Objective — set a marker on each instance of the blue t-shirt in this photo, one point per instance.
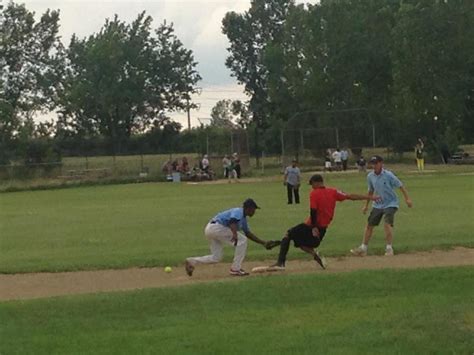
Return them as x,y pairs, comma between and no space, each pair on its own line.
292,175
384,185
237,214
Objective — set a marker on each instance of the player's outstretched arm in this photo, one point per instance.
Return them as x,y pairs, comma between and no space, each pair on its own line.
256,239
369,197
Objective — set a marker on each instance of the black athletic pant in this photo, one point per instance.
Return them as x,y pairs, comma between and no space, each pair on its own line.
290,189
301,235
344,165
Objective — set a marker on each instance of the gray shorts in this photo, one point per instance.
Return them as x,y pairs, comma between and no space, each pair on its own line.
376,216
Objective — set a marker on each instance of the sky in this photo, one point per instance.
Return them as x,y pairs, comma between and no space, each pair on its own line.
197,24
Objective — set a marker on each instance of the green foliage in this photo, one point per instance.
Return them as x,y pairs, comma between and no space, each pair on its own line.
251,35
31,62
422,311
433,61
122,78
404,62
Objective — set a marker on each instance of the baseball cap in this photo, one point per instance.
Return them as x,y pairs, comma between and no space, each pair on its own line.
315,178
375,159
250,203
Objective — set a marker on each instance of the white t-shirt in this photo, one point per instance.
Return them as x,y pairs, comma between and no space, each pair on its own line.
337,156
205,163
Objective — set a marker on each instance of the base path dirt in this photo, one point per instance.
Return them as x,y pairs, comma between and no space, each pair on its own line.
41,285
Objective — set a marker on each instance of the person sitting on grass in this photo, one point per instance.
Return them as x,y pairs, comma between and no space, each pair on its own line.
309,235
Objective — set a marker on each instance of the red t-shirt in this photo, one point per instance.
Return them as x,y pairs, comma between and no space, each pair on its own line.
323,200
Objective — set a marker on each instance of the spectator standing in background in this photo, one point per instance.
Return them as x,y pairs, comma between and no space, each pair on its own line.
344,158
336,156
361,164
420,155
226,164
292,181
327,161
236,161
205,164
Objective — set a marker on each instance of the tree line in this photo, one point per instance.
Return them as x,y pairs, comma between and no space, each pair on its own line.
407,64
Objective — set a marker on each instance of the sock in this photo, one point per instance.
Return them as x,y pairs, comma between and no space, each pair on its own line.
388,247
364,247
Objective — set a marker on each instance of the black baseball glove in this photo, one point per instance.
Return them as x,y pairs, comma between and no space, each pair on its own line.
272,244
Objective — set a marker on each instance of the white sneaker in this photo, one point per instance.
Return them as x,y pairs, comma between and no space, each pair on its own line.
321,260
240,272
389,252
358,251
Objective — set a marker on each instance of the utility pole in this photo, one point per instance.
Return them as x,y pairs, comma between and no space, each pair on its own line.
189,114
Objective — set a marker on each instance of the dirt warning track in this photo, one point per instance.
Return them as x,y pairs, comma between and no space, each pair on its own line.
42,285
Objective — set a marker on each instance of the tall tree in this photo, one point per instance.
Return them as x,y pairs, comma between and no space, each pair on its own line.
30,67
230,114
122,78
433,65
249,35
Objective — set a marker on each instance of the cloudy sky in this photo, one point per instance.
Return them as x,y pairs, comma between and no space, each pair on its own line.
197,24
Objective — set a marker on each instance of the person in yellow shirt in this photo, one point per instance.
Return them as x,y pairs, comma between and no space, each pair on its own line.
420,155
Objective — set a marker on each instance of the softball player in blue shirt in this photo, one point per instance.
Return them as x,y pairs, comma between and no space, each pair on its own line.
383,183
225,228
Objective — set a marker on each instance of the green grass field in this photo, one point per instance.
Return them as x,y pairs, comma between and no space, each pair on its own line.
426,311
157,224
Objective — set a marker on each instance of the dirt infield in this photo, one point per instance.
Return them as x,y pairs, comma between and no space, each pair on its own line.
41,285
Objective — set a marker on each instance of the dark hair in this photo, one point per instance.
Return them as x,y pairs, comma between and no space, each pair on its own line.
316,178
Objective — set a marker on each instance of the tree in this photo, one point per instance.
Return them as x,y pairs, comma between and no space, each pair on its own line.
123,78
249,35
221,114
433,66
230,114
31,57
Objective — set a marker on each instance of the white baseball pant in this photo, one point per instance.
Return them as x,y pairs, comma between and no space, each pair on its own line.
219,235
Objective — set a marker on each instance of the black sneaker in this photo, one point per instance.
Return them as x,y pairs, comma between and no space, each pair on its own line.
189,268
320,260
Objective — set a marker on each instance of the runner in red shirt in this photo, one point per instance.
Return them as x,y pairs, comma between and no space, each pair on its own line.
309,235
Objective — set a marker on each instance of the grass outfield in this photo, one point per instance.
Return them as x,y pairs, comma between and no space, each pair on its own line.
422,311
159,224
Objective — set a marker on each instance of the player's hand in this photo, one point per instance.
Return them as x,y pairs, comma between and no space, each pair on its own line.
270,244
315,232
234,240
365,209
409,203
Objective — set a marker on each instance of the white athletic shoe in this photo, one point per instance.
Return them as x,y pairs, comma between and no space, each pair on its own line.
240,272
389,252
358,251
321,260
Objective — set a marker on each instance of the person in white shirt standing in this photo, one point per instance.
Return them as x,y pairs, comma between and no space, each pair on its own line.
344,158
337,157
205,163
292,182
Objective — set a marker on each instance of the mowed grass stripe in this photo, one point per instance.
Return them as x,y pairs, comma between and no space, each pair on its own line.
386,311
160,224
